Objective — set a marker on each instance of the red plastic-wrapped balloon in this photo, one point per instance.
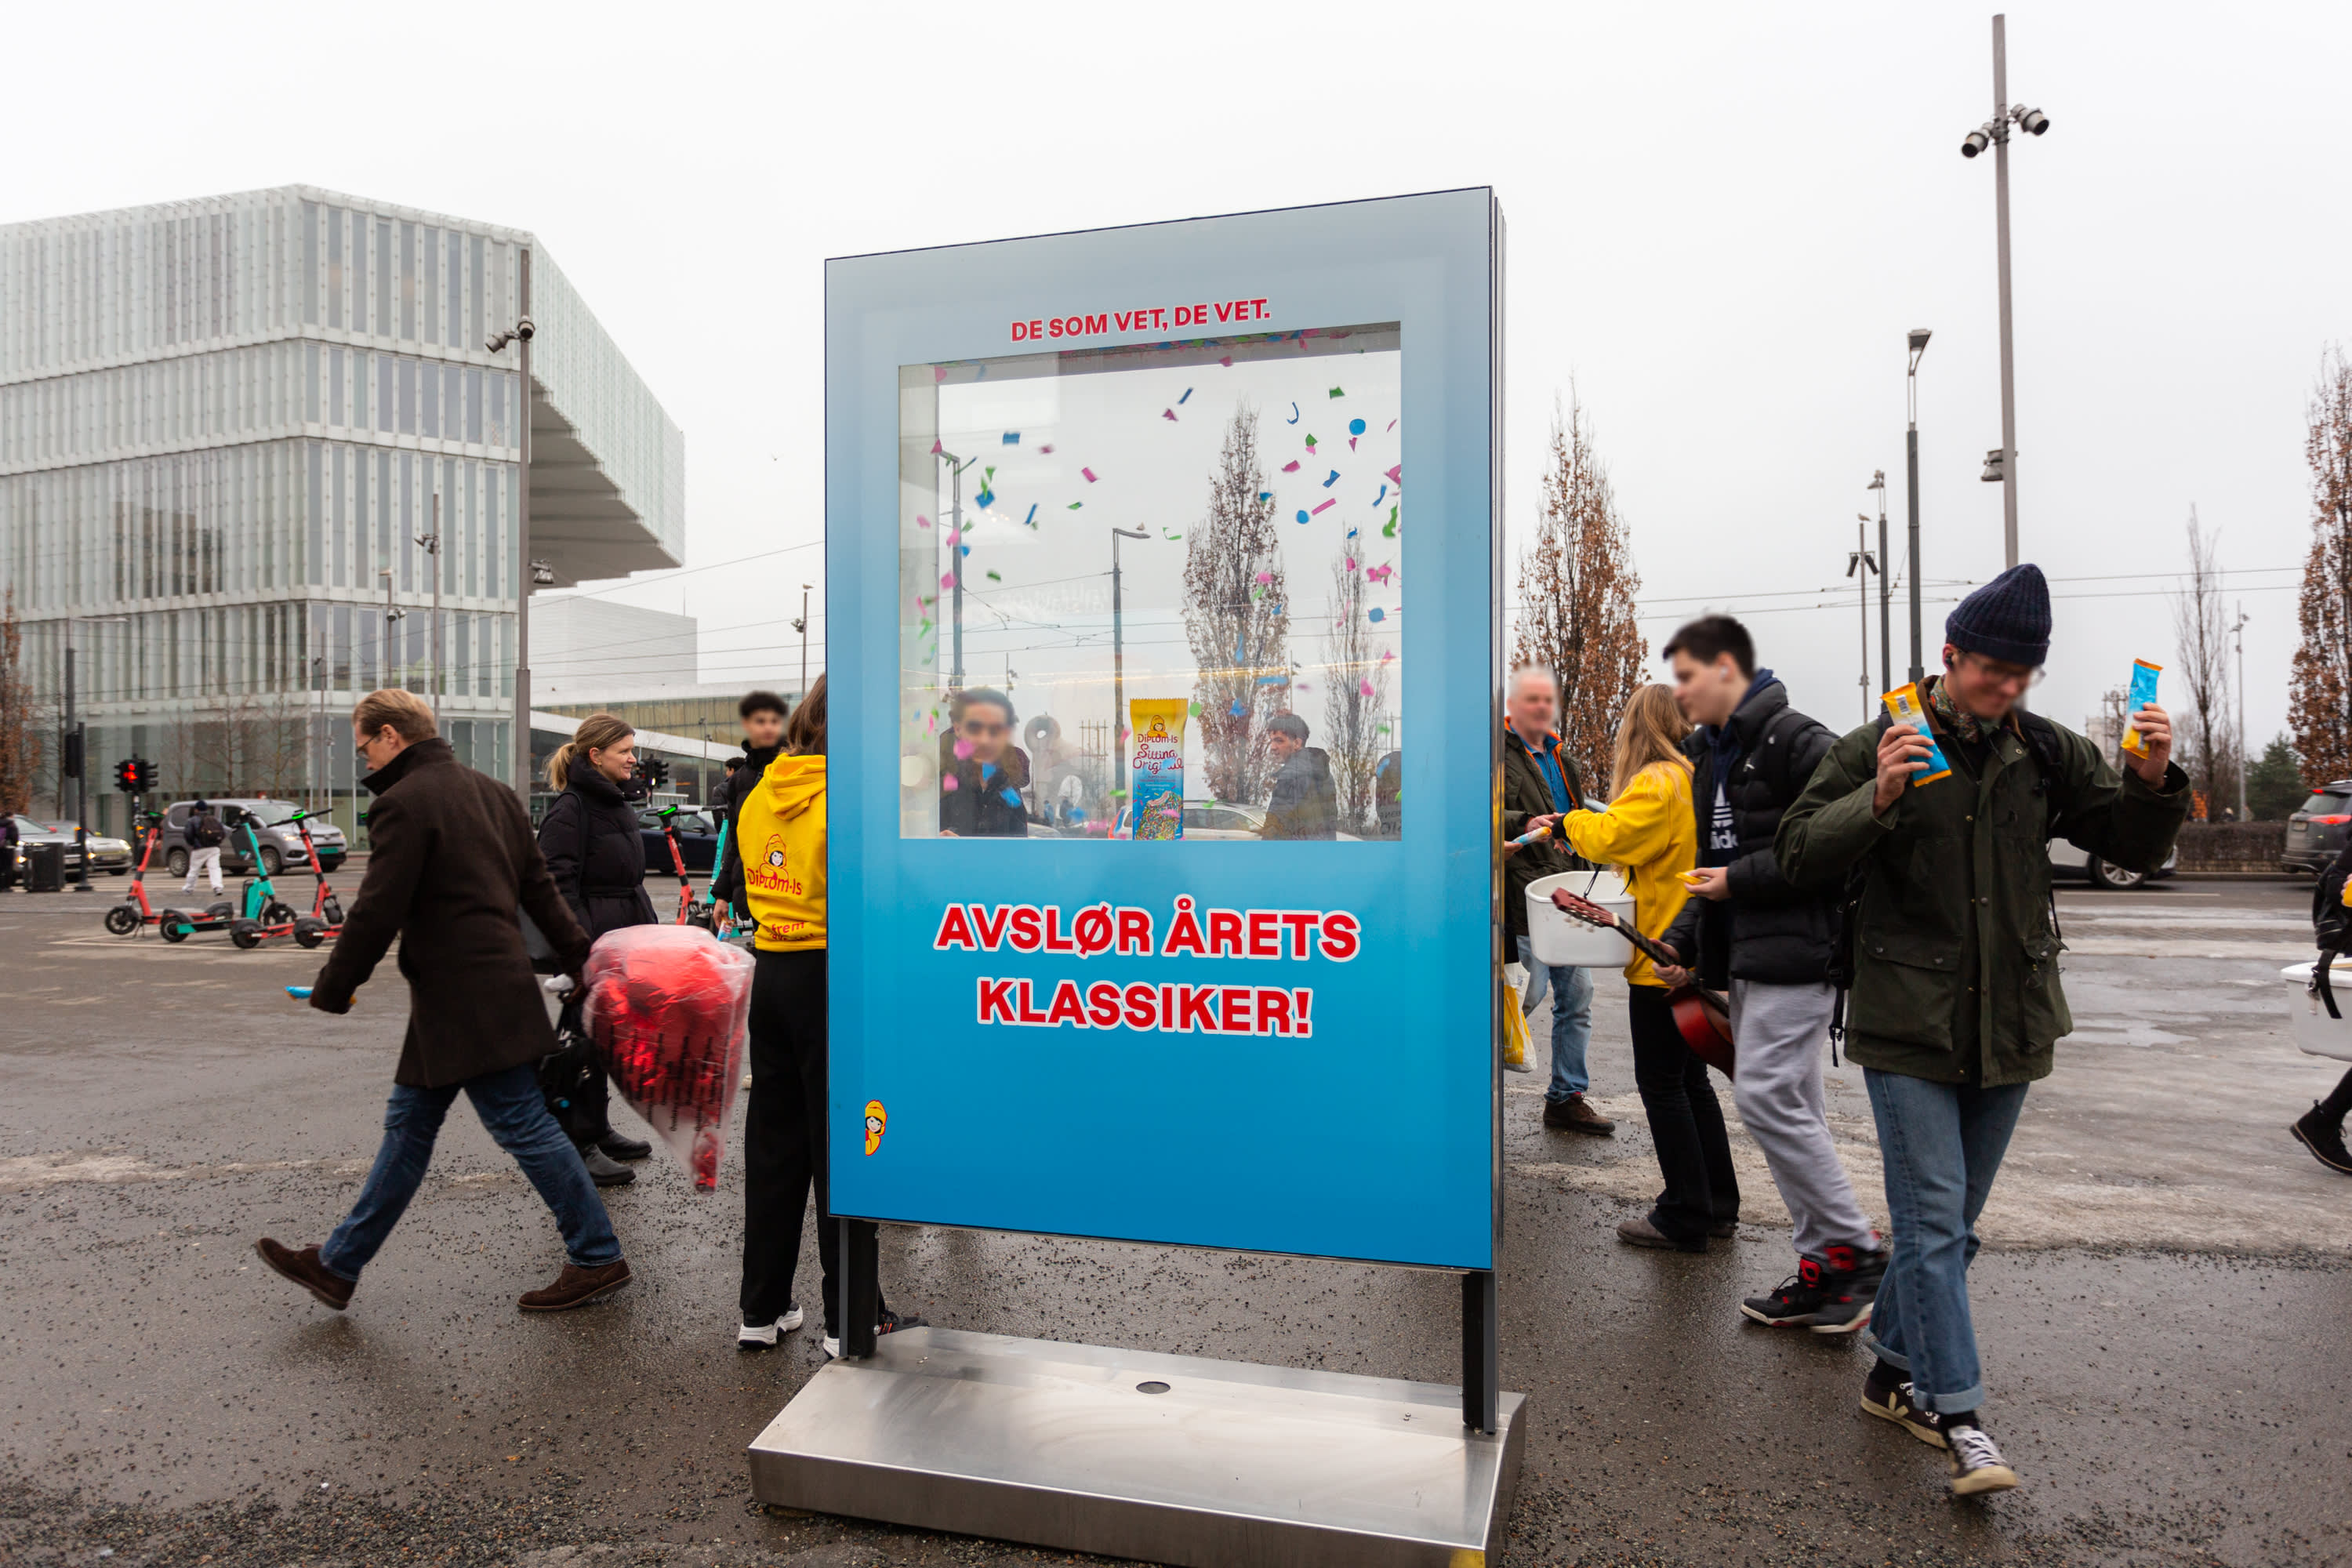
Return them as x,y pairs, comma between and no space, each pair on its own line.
666,1006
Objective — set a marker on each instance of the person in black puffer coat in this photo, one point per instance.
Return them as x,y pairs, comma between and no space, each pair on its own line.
590,837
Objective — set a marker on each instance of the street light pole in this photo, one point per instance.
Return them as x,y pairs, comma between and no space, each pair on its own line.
525,569
800,625
76,745
1918,343
2238,631
1118,672
2008,349
1859,566
1885,590
1994,133
432,543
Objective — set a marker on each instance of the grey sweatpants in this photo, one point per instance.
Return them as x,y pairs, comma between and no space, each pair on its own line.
1779,1031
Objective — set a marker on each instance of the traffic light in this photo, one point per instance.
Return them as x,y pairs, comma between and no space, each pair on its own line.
134,775
656,771
72,763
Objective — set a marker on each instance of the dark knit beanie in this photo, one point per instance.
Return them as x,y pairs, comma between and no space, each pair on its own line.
2007,619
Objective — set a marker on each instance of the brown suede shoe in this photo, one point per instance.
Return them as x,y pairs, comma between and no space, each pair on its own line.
1573,1115
576,1287
304,1269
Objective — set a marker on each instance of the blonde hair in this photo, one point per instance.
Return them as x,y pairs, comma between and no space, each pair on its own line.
1651,732
597,732
410,716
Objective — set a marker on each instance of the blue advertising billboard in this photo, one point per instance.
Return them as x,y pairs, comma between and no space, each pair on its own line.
1164,626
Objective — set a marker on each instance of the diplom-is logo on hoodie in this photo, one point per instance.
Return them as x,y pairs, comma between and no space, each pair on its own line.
773,874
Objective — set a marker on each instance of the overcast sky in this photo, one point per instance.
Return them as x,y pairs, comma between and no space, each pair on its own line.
1723,218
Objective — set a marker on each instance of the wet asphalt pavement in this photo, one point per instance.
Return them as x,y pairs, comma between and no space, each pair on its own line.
2164,1305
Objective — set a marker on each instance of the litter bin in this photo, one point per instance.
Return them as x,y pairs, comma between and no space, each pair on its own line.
45,867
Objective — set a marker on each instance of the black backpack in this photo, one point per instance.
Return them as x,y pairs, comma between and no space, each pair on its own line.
2042,743
205,832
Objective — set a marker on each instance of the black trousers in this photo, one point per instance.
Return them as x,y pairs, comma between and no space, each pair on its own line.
784,1138
1685,1124
2338,1105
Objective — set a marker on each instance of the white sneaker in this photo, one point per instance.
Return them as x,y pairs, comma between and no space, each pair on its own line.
832,1348
763,1336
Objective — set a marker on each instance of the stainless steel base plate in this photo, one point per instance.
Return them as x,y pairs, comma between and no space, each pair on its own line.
1167,1458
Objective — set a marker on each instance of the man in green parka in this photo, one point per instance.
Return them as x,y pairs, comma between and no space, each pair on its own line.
1955,1004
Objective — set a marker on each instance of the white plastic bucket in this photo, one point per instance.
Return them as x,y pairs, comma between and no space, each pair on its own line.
2314,1031
1556,939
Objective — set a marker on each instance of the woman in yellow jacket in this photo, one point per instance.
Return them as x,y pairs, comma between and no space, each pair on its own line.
782,830
1650,833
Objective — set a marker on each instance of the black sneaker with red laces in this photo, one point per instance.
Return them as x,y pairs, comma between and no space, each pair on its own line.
1831,1295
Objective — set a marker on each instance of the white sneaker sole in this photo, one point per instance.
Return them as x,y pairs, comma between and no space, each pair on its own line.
763,1336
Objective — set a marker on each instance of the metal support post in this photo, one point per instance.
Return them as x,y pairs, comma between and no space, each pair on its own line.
1481,1369
861,1285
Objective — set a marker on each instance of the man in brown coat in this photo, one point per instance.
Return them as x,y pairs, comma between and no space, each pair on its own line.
452,857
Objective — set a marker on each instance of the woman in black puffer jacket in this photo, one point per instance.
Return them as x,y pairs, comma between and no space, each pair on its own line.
591,840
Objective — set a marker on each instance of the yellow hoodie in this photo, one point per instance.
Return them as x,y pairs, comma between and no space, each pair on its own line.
781,841
1649,833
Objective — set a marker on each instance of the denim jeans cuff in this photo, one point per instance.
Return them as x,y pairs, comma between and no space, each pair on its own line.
346,1279
1967,1399
579,1262
1892,1358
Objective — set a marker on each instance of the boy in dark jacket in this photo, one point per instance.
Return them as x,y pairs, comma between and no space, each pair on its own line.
1305,803
1746,929
762,713
453,856
1541,779
1956,1004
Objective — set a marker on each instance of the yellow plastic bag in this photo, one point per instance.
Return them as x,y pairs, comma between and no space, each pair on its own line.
1514,1025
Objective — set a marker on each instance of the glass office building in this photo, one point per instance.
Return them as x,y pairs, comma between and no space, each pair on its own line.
224,426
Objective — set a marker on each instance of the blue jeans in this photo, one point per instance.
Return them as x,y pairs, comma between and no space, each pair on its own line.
1571,1021
1943,1144
514,1112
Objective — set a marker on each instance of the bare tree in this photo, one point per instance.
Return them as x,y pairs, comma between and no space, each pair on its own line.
2201,638
1576,585
2319,701
23,732
1237,618
1355,693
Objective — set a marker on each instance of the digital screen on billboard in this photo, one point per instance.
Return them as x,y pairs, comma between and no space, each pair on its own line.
1151,592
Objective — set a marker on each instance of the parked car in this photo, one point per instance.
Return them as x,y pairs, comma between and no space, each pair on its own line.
29,833
2065,860
274,825
112,855
698,841
2316,832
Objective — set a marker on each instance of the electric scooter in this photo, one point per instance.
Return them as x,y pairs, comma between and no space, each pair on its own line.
668,815
265,916
325,921
257,908
125,918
